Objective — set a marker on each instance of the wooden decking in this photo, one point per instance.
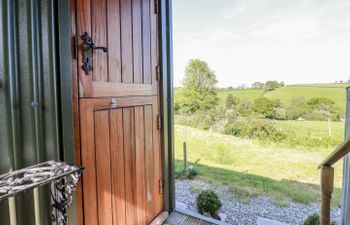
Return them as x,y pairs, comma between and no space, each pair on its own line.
176,218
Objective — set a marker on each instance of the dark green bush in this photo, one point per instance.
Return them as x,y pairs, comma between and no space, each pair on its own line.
264,130
208,202
202,119
313,219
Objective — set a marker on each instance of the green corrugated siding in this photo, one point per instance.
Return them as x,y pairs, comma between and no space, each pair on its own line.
28,73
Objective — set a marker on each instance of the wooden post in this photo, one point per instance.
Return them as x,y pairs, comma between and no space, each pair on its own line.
327,181
329,127
185,150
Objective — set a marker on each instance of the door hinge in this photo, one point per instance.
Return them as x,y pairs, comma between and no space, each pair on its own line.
161,191
158,73
156,6
159,122
75,47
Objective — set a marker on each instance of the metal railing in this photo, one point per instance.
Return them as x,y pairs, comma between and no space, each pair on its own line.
63,178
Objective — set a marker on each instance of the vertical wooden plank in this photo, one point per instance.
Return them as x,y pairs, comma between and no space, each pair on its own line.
114,43
157,158
117,157
88,160
75,97
103,167
126,40
130,164
137,40
154,45
99,36
140,165
146,30
83,25
149,163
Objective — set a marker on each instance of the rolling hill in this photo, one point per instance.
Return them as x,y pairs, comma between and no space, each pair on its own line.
335,92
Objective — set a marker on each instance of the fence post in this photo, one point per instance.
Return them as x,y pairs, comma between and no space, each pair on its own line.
185,150
345,209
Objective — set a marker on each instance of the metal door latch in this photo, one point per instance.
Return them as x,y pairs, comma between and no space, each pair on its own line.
88,48
114,103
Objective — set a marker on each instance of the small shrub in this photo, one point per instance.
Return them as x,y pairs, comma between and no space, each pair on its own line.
209,202
191,172
313,219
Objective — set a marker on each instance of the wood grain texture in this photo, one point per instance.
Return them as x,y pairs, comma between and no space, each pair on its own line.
140,167
129,28
114,41
157,155
99,36
103,89
75,107
154,46
146,39
130,164
126,39
118,166
103,167
176,218
120,147
88,161
149,160
83,25
137,40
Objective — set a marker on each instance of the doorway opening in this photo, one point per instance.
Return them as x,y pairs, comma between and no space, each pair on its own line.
259,102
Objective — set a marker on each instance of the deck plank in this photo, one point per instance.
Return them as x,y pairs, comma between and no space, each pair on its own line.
176,218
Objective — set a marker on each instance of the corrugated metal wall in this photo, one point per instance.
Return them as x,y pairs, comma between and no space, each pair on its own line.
29,100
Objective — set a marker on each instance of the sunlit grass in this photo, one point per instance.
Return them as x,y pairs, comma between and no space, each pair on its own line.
249,169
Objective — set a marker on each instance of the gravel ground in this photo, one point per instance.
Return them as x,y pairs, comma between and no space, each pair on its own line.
247,214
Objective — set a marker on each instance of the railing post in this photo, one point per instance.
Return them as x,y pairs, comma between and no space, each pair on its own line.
327,181
345,209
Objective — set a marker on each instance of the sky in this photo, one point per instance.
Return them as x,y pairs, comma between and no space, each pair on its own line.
243,41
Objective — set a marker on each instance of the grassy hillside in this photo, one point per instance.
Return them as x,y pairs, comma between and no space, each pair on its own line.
250,95
335,92
287,94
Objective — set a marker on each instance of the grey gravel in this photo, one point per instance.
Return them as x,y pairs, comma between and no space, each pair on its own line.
239,213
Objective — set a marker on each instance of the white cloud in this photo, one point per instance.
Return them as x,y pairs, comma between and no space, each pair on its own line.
299,43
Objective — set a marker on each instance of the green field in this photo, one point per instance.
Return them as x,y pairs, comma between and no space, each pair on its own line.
314,128
287,94
252,167
249,169
250,95
335,92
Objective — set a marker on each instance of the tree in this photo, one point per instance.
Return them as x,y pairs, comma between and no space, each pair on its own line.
231,101
321,103
199,86
265,107
257,85
272,85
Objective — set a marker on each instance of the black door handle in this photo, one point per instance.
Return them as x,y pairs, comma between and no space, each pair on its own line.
88,47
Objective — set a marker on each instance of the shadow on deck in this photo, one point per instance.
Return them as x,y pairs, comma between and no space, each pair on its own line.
176,218
185,217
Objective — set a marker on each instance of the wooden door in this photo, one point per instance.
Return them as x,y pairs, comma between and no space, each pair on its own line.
119,112
128,28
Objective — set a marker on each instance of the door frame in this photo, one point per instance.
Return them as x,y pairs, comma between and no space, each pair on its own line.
70,110
167,100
